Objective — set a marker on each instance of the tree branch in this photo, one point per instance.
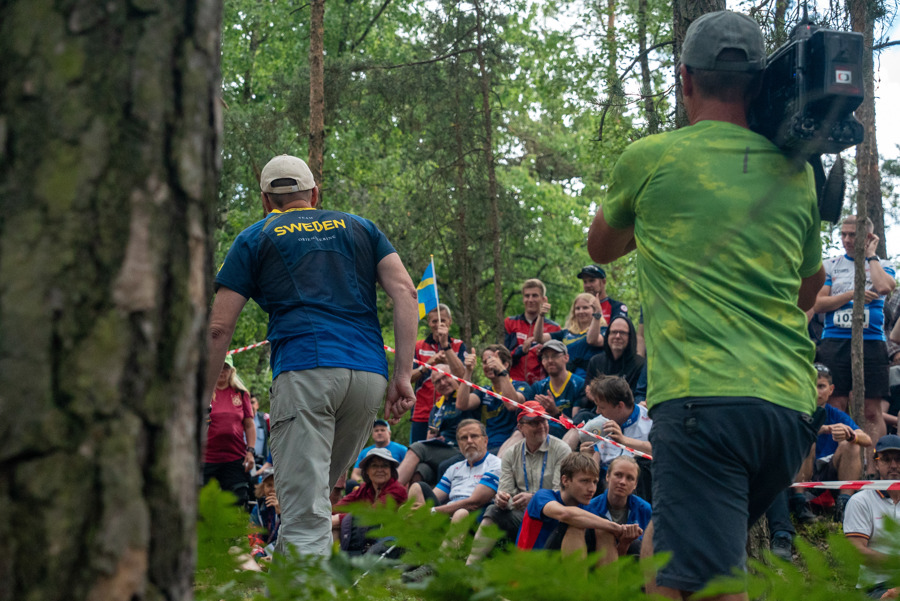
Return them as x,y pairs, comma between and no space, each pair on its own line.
369,26
414,63
886,45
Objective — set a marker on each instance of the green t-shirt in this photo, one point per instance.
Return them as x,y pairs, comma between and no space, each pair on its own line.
726,227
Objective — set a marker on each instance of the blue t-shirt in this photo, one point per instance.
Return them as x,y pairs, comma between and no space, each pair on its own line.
314,273
572,394
639,511
397,451
825,444
497,419
536,528
445,416
840,274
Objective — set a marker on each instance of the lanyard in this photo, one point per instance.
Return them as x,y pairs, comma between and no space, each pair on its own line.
525,468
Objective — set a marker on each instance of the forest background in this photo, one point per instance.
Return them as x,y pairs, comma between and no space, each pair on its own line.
483,133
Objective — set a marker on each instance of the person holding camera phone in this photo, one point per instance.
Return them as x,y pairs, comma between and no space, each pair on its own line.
726,228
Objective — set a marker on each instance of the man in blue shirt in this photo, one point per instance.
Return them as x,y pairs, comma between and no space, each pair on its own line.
381,436
314,273
561,391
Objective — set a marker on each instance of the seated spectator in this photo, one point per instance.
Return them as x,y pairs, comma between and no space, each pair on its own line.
526,467
498,416
866,514
520,332
619,504
266,514
593,279
559,519
424,458
834,455
467,486
620,420
561,391
381,436
619,356
379,474
583,320
436,348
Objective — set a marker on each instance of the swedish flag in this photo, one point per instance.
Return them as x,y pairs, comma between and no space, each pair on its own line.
427,292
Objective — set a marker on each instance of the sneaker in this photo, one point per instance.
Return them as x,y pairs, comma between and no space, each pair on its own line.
782,548
802,511
839,505
418,574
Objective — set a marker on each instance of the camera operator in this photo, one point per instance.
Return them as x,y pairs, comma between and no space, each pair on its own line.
729,257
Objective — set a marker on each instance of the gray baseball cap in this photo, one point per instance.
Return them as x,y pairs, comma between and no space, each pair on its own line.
714,32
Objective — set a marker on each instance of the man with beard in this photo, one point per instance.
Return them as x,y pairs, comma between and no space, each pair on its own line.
561,391
468,485
620,356
867,510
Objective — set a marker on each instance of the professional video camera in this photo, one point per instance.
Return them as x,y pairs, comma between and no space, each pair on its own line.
810,88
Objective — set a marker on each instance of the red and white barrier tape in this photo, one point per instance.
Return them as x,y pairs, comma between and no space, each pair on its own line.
246,348
562,419
851,485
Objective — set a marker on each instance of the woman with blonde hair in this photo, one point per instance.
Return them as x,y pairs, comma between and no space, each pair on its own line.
579,321
231,434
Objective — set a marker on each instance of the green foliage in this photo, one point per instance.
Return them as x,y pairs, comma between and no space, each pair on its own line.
508,573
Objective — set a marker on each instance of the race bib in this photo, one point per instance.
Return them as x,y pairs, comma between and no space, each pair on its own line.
842,318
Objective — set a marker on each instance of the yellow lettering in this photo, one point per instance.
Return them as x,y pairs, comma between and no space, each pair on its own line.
317,226
341,221
328,225
279,231
307,227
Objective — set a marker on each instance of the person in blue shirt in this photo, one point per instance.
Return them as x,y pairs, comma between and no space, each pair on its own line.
619,504
314,272
561,391
381,436
835,456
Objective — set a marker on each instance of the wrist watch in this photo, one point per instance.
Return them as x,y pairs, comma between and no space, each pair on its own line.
598,315
505,372
875,258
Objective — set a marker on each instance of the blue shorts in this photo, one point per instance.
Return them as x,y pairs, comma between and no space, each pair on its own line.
717,465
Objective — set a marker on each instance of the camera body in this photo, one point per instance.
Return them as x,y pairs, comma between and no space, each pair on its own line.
810,88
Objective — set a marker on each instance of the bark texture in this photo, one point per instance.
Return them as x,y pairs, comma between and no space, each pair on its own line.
317,89
684,12
108,166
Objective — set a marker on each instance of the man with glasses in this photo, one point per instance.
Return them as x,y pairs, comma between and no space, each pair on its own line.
466,486
864,520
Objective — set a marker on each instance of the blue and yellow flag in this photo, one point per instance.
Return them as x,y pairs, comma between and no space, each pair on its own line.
427,292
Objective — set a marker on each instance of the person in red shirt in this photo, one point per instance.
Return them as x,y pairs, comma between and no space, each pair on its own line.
521,330
437,347
231,435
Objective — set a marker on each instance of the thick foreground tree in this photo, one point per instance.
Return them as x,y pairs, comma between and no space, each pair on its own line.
108,173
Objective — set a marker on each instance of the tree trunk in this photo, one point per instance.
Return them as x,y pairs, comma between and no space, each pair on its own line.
317,89
108,172
485,78
684,12
646,87
868,173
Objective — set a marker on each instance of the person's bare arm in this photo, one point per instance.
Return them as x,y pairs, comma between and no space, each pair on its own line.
862,545
890,420
467,400
250,434
575,516
606,244
594,335
223,317
480,497
810,288
825,302
882,282
395,280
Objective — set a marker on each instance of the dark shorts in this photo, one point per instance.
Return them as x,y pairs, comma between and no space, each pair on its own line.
835,353
431,455
508,520
718,465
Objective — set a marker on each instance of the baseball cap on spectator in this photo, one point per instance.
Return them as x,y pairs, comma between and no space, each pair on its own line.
286,167
266,473
554,345
526,416
592,271
229,360
891,442
381,422
714,32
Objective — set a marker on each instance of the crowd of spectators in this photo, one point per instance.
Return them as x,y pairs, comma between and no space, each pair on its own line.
546,485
